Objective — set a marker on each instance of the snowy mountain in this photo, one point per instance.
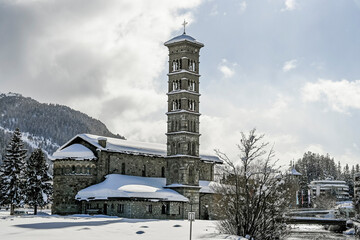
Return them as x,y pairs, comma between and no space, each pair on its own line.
43,125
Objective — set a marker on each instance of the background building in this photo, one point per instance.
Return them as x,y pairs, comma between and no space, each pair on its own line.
333,187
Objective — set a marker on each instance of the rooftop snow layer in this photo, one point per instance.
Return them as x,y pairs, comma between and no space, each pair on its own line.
294,172
183,37
124,186
133,147
74,151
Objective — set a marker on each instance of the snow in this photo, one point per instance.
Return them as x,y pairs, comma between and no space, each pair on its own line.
124,186
131,147
54,227
75,151
207,186
184,38
294,172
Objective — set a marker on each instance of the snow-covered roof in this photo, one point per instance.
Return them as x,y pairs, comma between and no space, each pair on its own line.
124,186
183,37
294,172
327,182
132,147
75,151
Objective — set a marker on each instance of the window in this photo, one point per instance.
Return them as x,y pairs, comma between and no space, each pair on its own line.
120,208
73,169
163,209
144,171
178,149
123,168
162,171
149,208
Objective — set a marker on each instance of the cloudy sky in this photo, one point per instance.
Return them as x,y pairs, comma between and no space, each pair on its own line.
290,68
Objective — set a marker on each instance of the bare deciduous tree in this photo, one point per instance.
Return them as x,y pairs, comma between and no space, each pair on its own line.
251,197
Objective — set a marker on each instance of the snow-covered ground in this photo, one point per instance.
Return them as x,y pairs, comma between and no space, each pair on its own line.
52,227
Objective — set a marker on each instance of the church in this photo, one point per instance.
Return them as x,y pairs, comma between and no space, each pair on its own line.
100,175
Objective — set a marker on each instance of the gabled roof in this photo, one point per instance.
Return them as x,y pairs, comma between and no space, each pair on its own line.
126,146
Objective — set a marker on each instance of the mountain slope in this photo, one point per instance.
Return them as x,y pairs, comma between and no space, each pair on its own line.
44,125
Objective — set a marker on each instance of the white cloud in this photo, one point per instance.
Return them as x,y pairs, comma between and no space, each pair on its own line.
243,6
214,10
289,65
103,54
290,5
226,68
339,95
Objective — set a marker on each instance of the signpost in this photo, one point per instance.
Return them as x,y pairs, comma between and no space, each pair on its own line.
191,218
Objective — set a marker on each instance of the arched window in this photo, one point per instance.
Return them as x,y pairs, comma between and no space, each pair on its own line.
178,148
163,209
163,171
144,171
73,169
173,148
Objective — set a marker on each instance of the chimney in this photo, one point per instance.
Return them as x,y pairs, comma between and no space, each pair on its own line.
102,141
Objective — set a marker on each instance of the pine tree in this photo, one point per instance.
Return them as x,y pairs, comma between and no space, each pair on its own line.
12,173
39,188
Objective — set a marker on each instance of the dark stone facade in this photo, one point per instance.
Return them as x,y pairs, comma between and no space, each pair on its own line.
182,166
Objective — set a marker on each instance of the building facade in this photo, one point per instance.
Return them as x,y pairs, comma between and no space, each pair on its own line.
335,187
94,174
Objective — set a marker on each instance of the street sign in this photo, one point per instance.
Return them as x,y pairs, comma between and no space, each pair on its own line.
191,216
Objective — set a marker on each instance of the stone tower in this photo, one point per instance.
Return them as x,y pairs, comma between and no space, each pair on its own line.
183,119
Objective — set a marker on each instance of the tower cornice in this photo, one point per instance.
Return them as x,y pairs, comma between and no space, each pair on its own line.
183,132
183,71
183,91
183,111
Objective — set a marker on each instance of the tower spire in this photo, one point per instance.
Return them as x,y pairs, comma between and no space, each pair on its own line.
184,24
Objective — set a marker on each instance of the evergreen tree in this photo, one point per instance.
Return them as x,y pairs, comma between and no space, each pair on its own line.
39,188
12,173
357,168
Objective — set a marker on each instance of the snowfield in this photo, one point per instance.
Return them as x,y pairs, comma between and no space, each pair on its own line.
49,227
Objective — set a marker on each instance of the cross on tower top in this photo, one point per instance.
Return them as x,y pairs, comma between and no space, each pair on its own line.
184,24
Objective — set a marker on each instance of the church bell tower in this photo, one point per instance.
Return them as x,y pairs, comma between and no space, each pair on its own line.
183,117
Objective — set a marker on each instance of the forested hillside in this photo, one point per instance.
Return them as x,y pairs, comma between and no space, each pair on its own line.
44,125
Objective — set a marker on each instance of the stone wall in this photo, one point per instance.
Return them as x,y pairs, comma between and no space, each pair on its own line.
136,165
136,209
